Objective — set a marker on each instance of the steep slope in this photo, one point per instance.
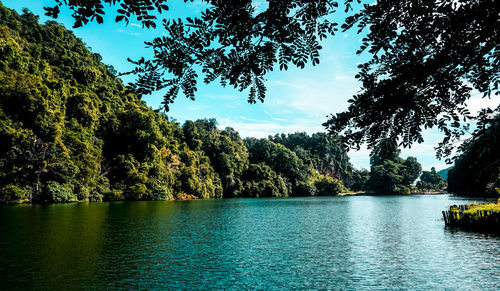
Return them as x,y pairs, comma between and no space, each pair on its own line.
476,171
69,130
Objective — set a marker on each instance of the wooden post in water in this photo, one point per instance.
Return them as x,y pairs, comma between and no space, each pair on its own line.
445,219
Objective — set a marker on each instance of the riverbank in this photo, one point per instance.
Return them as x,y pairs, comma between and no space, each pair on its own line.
483,217
429,193
184,196
373,194
349,193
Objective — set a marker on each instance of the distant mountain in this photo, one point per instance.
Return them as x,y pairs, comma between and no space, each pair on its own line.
444,173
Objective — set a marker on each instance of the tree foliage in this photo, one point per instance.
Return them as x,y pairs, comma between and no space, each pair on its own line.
476,171
360,180
426,57
90,10
323,152
70,131
225,149
301,176
261,181
231,41
430,181
390,174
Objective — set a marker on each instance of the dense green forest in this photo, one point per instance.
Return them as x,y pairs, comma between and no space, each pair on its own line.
69,131
476,172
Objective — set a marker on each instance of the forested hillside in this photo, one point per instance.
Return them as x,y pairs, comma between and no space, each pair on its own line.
69,131
476,172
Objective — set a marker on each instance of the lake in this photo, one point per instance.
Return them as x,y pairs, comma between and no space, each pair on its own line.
354,242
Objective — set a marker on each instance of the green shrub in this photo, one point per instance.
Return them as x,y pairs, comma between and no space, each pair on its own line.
59,193
136,192
304,188
13,194
326,185
113,195
158,192
401,190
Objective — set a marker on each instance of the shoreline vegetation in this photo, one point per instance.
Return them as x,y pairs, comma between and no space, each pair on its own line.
429,193
477,217
70,131
189,197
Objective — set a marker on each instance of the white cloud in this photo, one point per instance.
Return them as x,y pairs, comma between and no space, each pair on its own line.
249,119
128,32
345,77
135,24
261,129
226,97
311,97
477,102
361,158
197,6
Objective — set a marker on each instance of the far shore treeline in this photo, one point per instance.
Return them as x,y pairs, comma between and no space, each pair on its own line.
69,131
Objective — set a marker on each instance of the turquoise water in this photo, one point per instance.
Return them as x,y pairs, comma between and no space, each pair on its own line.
361,242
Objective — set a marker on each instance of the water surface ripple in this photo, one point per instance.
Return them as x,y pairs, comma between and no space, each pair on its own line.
358,242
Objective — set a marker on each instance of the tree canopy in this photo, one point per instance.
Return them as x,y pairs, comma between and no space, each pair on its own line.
70,131
430,181
427,56
390,174
231,42
477,170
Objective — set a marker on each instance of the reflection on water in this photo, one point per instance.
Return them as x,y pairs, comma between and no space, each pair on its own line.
361,242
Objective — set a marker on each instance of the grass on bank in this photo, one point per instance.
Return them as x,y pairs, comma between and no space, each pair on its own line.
490,207
474,216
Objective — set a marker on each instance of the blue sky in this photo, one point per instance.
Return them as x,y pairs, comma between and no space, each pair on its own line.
297,100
